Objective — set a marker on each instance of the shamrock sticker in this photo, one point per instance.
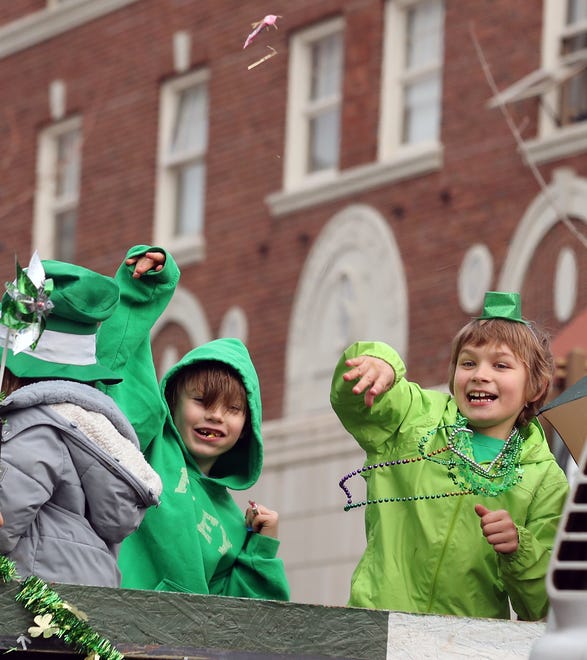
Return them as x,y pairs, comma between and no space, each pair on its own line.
43,626
82,616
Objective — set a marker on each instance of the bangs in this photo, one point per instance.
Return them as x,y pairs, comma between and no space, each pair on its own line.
218,383
518,336
215,382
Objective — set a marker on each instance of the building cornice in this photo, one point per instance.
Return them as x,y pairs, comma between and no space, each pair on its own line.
51,22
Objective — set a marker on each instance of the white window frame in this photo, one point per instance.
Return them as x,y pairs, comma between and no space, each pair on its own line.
552,142
53,4
47,203
394,77
186,249
297,125
392,165
540,81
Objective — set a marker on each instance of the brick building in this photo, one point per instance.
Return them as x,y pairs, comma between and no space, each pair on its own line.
353,183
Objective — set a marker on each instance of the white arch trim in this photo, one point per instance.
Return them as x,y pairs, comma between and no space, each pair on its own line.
566,194
357,246
185,310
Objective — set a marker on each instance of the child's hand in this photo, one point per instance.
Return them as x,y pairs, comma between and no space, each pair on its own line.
262,520
148,261
499,529
374,375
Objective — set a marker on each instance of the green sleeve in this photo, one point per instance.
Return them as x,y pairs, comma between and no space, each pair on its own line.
369,426
124,342
524,572
256,573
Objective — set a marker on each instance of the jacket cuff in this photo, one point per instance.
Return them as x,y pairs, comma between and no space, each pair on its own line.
168,273
263,546
379,349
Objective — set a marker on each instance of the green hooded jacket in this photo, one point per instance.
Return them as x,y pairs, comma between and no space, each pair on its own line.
430,555
196,540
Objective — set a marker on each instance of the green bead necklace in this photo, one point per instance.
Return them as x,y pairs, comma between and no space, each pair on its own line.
469,477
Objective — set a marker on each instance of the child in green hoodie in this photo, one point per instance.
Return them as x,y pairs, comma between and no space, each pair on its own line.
201,431
463,494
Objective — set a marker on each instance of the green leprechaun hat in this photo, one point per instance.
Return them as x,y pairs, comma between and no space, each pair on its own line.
80,300
502,305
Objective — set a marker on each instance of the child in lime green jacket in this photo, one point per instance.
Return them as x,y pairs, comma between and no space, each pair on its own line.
201,431
463,494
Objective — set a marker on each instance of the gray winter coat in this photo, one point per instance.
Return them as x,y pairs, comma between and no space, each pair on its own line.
73,483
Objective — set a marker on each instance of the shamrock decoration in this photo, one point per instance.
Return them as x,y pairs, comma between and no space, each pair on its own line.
26,305
82,616
43,626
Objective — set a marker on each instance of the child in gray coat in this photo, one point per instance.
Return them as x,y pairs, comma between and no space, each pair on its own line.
73,482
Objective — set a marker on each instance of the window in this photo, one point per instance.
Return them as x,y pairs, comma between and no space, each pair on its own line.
564,70
314,104
412,74
58,190
573,51
181,180
560,82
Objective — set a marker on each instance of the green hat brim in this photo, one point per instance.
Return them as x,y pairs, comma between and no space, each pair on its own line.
24,365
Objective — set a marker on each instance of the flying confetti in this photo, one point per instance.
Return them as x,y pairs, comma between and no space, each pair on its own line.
268,20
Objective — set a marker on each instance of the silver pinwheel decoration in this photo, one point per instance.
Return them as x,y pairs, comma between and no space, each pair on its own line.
24,309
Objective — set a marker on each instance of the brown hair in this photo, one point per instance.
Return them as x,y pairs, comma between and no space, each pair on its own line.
529,344
218,383
11,383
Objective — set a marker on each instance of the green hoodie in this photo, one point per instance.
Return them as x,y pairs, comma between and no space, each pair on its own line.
430,555
196,540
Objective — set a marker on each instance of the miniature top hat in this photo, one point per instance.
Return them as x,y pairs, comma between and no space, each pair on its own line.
502,305
81,299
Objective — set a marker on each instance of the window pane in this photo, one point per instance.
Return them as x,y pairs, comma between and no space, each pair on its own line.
326,58
65,230
190,199
324,141
68,164
422,111
574,99
424,44
190,132
576,11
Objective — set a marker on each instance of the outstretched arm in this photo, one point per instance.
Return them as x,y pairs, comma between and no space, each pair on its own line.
369,408
147,279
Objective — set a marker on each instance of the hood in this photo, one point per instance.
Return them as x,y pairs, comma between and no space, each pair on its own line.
535,447
240,467
49,392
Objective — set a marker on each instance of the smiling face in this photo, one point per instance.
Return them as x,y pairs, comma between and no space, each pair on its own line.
209,412
490,387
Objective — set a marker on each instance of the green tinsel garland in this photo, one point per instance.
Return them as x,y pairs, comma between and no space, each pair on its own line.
7,569
66,622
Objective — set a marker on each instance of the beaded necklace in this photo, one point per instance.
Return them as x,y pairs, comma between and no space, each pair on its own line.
469,477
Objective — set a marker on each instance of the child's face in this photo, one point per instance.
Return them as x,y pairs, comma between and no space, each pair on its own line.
207,432
490,388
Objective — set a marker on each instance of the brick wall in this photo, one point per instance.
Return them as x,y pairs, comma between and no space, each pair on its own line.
113,68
